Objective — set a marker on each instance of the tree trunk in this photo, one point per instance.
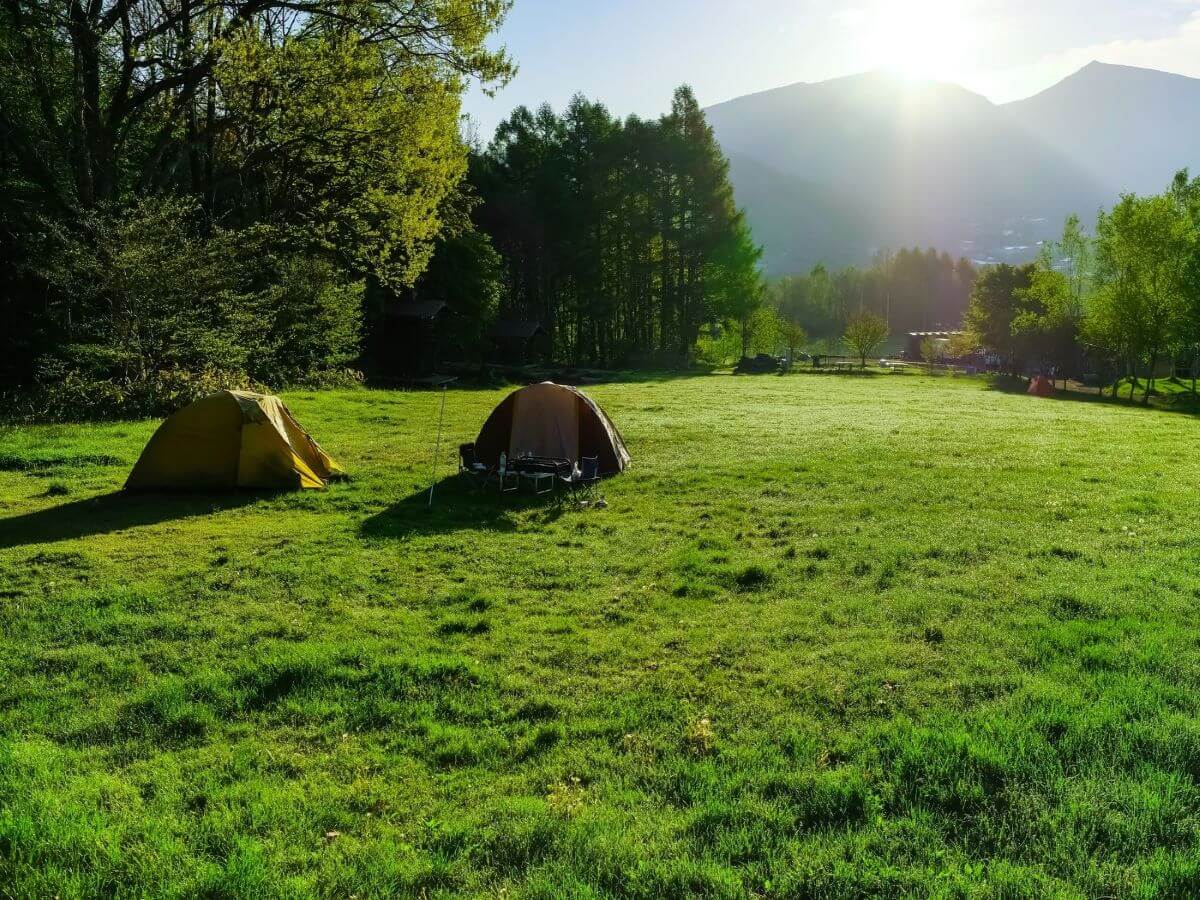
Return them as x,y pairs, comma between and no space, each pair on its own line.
85,89
1193,380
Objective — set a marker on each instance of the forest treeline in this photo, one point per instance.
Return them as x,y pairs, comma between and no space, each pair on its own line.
912,290
205,194
621,238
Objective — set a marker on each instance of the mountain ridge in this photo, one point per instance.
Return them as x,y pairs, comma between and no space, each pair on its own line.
898,162
1137,141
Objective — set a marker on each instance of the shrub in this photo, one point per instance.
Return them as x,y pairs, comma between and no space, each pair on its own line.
306,325
64,394
141,290
157,310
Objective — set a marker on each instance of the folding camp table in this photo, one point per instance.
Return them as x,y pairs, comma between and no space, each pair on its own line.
541,471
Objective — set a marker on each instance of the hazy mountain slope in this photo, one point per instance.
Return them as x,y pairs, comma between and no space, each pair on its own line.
911,163
1130,128
797,221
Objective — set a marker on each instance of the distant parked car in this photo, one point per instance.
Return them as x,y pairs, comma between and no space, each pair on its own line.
763,364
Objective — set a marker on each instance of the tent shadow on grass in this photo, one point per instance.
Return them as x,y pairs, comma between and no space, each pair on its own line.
457,506
115,512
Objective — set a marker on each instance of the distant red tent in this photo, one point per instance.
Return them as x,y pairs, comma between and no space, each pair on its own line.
1042,387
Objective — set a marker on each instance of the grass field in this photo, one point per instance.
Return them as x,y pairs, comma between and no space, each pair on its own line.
831,637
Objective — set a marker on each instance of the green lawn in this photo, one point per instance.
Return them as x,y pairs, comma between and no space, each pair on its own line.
833,636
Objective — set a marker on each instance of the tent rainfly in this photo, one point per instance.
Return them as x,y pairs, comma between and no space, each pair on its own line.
551,420
232,439
1041,386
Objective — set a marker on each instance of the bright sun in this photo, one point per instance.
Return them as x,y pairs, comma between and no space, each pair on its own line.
929,39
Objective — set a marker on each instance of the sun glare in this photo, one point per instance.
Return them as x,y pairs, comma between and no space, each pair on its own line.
924,39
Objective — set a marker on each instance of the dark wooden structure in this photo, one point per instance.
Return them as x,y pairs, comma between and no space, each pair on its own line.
520,342
412,344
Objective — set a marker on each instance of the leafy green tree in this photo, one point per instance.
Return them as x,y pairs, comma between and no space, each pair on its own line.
1141,252
794,338
1107,334
865,332
1074,256
796,299
716,260
930,352
144,292
1049,323
346,157
1186,193
1047,326
763,333
742,292
306,323
112,95
994,308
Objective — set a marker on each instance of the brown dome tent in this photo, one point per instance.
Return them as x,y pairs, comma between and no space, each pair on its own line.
551,420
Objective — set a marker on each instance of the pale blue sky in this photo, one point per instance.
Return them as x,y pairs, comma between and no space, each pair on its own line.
632,53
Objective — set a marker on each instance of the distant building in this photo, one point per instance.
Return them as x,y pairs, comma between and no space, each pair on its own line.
943,340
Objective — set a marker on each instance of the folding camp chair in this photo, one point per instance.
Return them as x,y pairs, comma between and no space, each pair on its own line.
476,472
584,477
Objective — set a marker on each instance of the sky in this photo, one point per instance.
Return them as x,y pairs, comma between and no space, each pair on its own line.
631,54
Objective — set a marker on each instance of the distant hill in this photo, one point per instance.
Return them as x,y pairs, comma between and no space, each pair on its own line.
833,171
1132,129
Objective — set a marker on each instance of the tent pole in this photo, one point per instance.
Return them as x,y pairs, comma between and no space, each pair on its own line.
438,449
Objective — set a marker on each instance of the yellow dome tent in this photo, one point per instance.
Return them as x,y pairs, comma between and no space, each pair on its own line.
233,439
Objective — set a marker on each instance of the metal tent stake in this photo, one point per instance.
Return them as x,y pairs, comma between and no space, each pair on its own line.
438,449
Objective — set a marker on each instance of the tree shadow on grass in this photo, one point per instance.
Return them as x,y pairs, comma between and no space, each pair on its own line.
460,506
1173,403
115,512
